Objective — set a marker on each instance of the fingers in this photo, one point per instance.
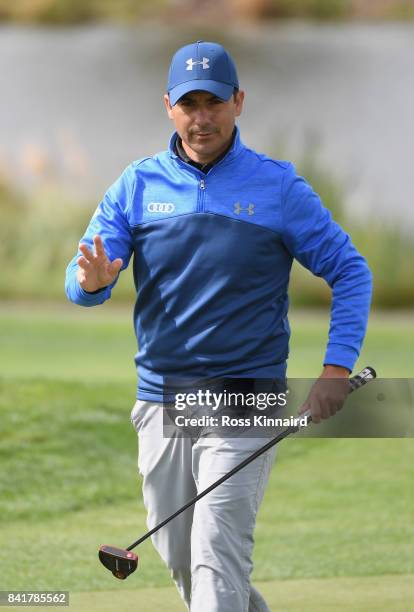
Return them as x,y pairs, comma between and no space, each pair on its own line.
305,411
86,252
99,250
95,269
83,263
320,408
99,247
316,411
115,266
326,397
324,409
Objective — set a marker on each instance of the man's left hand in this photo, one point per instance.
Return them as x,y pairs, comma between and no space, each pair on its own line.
328,393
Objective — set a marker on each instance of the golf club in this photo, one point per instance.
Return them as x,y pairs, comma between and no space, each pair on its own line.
121,562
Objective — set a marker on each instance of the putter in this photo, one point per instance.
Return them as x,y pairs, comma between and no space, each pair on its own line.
122,562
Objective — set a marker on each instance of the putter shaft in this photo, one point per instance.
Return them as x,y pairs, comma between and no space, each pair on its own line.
355,382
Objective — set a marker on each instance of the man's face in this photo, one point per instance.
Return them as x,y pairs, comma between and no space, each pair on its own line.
204,122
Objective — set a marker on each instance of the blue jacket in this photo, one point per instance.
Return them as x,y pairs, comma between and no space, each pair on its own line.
212,258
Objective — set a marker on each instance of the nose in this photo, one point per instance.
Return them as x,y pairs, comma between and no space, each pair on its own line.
202,115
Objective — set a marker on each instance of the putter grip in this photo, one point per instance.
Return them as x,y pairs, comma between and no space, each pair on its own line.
355,382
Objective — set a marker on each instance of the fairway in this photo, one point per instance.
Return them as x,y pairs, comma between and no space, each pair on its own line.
67,342
335,531
366,594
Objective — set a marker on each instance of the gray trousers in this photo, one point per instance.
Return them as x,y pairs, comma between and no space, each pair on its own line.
208,548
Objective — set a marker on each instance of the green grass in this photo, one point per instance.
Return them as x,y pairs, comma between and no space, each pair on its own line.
366,594
67,342
335,530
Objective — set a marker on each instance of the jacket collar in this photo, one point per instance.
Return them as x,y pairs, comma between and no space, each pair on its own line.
236,147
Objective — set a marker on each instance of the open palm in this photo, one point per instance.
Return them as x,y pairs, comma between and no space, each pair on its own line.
95,269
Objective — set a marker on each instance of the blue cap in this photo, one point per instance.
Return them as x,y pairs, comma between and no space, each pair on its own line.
204,66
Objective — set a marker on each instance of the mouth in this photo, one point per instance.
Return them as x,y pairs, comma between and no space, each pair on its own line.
203,134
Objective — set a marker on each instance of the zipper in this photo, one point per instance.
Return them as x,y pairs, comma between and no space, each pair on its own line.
201,191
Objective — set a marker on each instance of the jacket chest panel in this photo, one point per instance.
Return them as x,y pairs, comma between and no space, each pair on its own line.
208,248
205,194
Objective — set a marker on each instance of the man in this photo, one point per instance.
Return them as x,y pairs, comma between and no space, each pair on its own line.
214,228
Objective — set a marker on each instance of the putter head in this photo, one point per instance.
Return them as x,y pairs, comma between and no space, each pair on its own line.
119,561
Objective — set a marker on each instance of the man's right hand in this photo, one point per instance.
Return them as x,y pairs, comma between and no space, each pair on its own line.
95,271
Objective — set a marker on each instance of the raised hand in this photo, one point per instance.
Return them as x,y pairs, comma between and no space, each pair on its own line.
95,271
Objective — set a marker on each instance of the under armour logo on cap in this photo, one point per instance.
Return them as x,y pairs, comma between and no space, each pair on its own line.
238,209
202,66
204,63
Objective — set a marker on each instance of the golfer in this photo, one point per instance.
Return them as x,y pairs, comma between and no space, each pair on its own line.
214,227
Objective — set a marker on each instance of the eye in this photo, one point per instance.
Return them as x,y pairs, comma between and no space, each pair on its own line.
185,102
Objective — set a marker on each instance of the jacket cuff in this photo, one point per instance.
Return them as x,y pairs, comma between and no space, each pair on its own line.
85,298
341,355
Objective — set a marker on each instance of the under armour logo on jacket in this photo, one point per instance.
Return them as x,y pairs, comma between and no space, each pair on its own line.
204,63
239,209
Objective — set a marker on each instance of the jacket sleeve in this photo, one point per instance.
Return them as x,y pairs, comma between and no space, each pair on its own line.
321,245
110,222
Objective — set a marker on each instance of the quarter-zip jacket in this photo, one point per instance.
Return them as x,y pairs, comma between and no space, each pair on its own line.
212,258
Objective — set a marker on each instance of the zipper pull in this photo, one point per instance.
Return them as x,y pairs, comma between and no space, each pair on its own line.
202,184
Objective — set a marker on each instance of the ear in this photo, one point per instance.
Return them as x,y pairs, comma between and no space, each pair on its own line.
239,102
168,106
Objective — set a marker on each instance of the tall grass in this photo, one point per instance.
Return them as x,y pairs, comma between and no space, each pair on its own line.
39,235
62,12
388,250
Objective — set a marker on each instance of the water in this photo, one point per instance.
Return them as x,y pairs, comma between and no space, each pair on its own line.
80,103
